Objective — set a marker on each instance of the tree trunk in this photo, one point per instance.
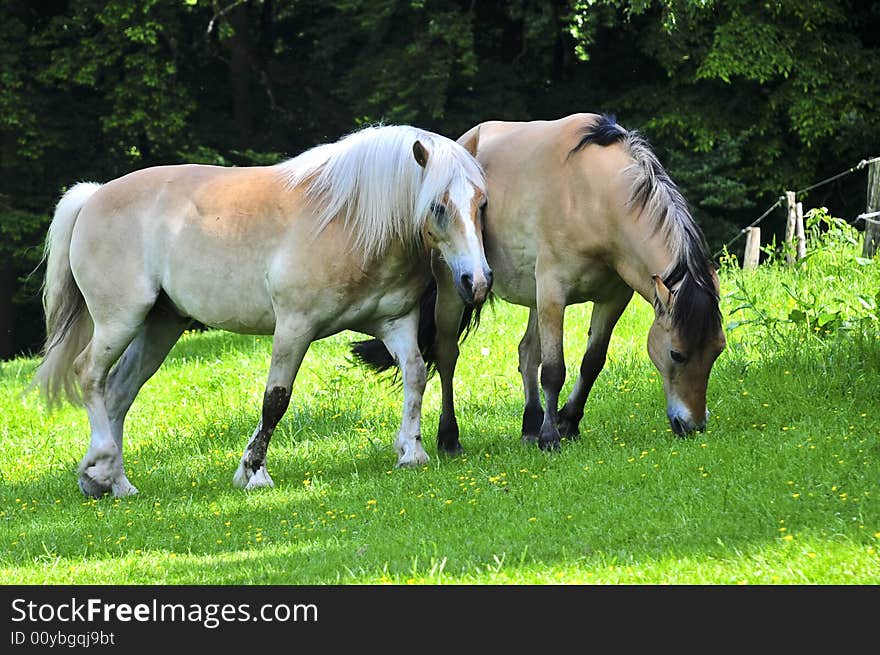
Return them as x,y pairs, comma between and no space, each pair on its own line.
240,73
7,311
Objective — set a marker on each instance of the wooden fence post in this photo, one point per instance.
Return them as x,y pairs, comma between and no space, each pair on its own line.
790,228
872,224
799,232
753,248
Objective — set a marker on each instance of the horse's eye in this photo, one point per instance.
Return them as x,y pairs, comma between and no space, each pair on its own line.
438,209
677,357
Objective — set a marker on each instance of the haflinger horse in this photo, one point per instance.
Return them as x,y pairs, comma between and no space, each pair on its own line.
337,238
580,209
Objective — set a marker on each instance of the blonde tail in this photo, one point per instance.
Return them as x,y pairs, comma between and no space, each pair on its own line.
68,324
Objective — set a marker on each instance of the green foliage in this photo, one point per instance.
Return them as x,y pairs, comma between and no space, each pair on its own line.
831,292
21,235
760,74
741,99
751,48
128,54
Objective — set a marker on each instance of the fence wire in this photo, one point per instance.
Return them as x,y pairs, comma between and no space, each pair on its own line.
781,199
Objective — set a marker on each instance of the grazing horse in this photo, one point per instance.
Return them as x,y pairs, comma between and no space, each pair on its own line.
337,238
581,210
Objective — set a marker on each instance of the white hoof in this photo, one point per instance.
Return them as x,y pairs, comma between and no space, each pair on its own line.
90,487
245,478
99,472
260,479
122,488
410,453
242,476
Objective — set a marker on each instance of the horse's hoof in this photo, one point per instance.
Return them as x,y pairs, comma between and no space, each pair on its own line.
91,488
568,430
259,480
410,451
242,476
569,425
450,450
549,438
549,445
123,488
529,439
412,459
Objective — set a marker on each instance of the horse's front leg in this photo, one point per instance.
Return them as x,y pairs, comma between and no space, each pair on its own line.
400,337
529,362
448,311
551,311
289,346
602,321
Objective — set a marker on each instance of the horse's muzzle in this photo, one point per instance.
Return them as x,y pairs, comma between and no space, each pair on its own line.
684,425
474,292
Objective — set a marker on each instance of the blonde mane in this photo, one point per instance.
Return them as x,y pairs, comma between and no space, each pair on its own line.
371,181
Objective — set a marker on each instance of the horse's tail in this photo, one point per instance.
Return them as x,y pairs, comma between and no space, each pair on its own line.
68,324
375,355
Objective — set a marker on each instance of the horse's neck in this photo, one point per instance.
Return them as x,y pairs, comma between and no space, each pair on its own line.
642,254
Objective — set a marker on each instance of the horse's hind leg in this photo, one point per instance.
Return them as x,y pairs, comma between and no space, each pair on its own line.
604,317
529,361
141,359
289,346
400,338
101,469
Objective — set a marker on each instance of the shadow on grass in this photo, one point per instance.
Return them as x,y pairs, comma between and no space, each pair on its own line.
211,344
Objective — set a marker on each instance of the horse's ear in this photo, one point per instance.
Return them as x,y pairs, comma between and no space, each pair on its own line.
471,141
420,153
662,293
715,280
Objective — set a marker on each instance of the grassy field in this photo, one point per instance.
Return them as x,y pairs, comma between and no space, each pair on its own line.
784,486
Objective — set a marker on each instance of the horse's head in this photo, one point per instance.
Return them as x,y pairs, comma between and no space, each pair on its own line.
683,342
454,223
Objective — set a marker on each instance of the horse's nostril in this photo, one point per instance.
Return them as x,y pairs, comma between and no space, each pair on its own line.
490,278
467,283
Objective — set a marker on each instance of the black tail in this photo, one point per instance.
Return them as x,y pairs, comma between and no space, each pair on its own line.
374,354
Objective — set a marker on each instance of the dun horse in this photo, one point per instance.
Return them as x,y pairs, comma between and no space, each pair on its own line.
337,238
581,210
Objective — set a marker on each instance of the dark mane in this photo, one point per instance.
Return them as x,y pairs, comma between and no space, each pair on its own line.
602,133
695,311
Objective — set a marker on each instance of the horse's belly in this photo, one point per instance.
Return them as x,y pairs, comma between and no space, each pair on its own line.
215,308
369,312
236,300
516,290
584,278
514,274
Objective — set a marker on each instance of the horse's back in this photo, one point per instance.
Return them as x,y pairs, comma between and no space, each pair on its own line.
173,193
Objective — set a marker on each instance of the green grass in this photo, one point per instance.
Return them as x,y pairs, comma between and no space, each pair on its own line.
784,487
